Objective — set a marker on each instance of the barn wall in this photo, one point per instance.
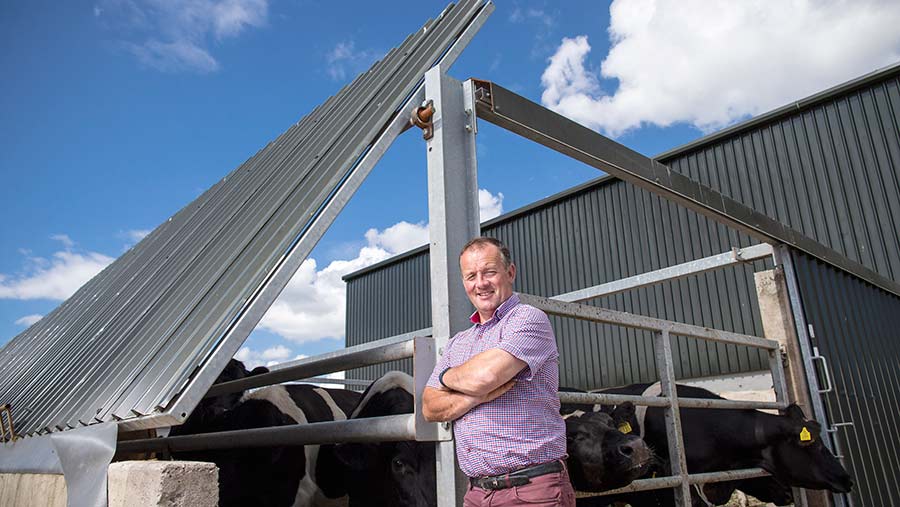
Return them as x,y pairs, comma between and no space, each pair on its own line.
857,329
828,166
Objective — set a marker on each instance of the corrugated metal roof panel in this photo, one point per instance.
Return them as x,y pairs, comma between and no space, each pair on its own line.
127,342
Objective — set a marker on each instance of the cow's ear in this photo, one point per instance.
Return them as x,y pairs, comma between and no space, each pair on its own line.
623,412
359,457
259,370
794,412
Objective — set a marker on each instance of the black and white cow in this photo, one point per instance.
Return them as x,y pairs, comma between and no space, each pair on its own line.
788,446
388,474
270,476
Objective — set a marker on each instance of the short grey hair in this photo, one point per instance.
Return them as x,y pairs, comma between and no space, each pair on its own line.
483,241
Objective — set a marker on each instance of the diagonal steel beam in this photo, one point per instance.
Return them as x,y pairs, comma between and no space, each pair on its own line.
533,121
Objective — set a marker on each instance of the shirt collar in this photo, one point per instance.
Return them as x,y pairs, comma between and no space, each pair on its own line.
501,310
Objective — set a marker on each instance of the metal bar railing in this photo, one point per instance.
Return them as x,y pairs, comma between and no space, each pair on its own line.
379,351
670,482
615,399
736,256
606,316
680,479
392,428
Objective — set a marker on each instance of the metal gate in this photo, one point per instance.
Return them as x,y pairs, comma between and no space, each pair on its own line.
853,332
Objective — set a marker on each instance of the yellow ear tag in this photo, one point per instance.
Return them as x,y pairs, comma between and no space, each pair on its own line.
625,428
804,435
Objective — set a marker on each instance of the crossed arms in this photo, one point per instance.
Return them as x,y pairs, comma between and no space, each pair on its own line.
481,379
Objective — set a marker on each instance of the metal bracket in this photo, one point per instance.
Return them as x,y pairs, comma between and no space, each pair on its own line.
6,425
423,117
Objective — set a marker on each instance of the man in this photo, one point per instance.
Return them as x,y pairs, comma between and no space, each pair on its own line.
497,381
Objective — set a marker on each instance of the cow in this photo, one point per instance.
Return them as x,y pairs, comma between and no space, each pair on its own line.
270,476
388,473
603,452
788,446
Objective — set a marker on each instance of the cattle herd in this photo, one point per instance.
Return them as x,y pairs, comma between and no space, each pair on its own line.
608,447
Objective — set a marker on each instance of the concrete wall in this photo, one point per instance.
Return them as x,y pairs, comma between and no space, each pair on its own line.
131,484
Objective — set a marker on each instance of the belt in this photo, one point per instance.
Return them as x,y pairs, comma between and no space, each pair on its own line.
518,477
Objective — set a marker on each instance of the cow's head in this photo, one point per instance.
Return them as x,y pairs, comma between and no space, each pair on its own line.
389,473
603,452
797,457
210,408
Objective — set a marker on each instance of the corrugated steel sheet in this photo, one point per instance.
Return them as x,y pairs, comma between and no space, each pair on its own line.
127,342
599,232
827,166
857,329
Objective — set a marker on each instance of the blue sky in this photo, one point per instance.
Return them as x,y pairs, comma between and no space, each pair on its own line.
116,113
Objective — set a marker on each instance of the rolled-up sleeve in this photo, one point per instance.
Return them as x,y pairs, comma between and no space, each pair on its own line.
529,337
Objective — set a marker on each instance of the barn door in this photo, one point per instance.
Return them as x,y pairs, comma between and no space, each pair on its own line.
852,352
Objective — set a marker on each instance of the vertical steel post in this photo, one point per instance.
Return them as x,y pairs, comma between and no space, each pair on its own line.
453,220
677,460
782,255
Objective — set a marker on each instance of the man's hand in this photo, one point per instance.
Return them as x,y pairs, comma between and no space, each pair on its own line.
446,405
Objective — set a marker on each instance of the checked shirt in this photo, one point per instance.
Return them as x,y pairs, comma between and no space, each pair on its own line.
523,427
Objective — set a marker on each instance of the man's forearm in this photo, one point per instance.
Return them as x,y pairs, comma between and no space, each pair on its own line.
483,373
441,405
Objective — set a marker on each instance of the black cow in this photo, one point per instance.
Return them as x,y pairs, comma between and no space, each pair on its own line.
601,456
388,474
787,446
270,476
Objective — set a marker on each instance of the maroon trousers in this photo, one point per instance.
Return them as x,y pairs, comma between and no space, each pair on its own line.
550,490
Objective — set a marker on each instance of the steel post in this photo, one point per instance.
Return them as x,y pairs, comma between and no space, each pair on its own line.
453,220
677,460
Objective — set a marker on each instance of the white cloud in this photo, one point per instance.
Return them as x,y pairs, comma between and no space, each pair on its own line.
174,35
64,239
490,205
313,305
56,278
399,237
345,59
268,357
28,320
709,63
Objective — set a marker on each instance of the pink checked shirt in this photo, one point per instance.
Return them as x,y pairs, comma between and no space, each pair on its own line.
523,427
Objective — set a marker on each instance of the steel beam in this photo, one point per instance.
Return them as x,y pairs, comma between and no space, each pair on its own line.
453,220
677,459
533,121
736,256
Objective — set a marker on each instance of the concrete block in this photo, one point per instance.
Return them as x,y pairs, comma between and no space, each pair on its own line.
163,484
32,490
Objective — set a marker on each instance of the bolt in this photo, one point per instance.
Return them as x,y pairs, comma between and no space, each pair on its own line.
445,425
468,128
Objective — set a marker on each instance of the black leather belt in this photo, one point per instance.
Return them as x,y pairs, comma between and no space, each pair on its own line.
519,477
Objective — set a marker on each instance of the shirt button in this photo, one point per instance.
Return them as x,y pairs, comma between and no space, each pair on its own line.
468,449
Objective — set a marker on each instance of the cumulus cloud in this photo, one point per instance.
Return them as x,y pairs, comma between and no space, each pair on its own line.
313,305
490,205
28,320
268,357
56,278
709,63
175,35
344,59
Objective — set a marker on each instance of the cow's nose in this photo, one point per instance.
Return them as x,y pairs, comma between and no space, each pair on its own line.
627,449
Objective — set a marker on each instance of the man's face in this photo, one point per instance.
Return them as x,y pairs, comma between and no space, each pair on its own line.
487,281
